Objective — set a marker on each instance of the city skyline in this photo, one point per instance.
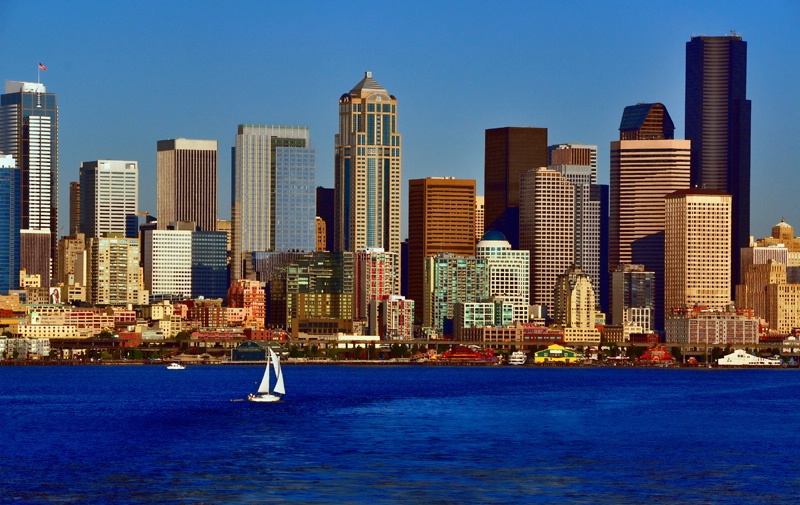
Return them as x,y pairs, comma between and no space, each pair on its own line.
182,84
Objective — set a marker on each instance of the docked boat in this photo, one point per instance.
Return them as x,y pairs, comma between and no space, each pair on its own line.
741,358
175,366
517,358
264,394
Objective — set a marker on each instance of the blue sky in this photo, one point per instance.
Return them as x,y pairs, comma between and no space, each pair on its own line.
128,74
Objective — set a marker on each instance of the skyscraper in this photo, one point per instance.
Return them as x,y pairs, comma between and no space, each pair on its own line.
110,194
646,165
587,221
546,229
509,272
574,154
441,219
113,270
187,182
264,159
29,133
697,265
74,207
718,125
508,152
368,157
9,224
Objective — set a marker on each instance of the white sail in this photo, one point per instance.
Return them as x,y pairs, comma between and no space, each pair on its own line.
264,386
278,372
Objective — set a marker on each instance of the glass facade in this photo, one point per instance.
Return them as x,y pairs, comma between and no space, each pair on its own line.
209,264
9,228
295,199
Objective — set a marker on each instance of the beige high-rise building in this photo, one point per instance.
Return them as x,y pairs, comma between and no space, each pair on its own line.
441,219
113,270
574,154
697,236
546,229
69,249
574,302
368,159
322,236
783,234
783,307
480,216
752,292
187,182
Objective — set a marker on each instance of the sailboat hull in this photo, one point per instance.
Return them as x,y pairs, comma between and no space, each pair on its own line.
263,398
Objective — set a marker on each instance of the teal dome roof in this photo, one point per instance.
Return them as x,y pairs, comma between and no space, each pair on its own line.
494,235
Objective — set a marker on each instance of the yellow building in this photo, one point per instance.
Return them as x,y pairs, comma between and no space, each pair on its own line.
783,307
557,354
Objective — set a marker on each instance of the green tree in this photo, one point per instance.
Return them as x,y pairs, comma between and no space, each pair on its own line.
295,352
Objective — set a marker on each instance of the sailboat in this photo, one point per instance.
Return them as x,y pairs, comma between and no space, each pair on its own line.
264,394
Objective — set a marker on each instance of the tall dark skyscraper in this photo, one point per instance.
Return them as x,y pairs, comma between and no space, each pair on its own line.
29,133
509,152
718,124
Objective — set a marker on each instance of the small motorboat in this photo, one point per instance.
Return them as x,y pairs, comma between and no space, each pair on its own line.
175,366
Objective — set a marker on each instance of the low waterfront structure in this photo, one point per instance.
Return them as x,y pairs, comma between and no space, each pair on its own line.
740,358
708,327
557,354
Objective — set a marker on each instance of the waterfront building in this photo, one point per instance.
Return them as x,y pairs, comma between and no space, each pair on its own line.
368,161
395,318
249,295
574,154
319,286
9,223
113,270
450,279
575,306
718,126
700,325
264,158
633,299
509,152
697,249
783,307
209,264
546,230
647,164
752,292
556,354
480,222
441,219
186,170
34,254
74,207
783,234
168,264
377,277
110,195
495,312
29,133
509,273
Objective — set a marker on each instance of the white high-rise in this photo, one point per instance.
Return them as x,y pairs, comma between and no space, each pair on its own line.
109,195
168,263
546,229
509,272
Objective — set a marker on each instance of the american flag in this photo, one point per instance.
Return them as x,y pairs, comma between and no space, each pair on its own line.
42,67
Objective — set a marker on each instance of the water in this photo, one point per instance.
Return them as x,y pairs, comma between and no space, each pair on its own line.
438,435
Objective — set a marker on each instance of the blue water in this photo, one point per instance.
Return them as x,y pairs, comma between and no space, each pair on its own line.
438,435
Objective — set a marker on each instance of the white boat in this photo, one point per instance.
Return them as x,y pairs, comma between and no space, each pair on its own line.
517,358
741,358
175,366
264,394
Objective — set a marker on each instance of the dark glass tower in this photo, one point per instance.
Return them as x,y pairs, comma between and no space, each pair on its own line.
718,124
508,152
29,133
9,225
